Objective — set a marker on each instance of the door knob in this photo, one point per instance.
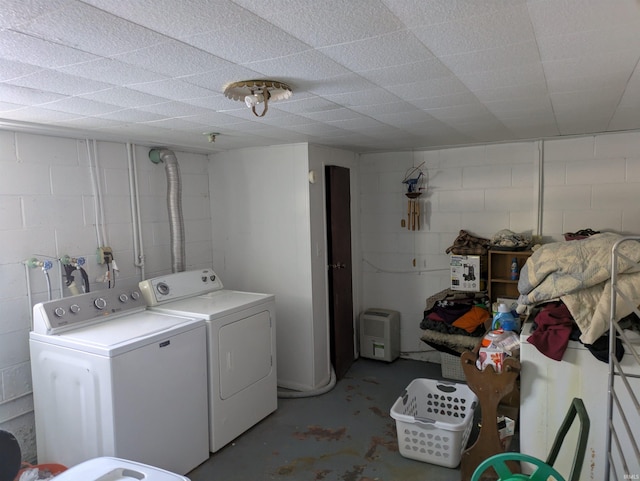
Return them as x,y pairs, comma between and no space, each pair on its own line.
339,265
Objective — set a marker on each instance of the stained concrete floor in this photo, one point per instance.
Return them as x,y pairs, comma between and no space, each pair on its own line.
346,434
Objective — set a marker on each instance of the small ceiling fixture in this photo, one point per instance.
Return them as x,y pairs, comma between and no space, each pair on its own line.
255,92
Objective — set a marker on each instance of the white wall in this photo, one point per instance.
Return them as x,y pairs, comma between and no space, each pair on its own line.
269,236
261,199
580,182
47,210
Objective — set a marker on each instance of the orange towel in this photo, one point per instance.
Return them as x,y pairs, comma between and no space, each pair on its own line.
472,319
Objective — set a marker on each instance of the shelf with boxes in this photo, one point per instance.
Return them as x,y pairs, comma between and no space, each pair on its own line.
504,273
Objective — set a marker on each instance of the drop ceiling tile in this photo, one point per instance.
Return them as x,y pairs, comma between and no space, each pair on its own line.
8,107
91,30
17,12
124,97
329,22
461,113
406,119
110,71
504,57
217,79
395,48
30,50
377,110
443,101
175,109
172,89
430,88
10,69
80,106
332,115
60,83
305,105
88,123
506,94
407,73
38,115
178,59
373,96
523,75
515,107
478,32
429,12
215,102
550,17
295,68
532,126
26,96
588,43
177,19
132,116
617,80
340,84
247,42
622,61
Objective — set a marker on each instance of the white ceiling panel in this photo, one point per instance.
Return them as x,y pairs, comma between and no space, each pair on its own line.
366,75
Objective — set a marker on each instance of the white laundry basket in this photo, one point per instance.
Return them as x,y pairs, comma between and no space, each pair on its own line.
434,421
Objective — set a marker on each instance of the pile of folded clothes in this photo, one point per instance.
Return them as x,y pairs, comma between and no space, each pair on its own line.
454,321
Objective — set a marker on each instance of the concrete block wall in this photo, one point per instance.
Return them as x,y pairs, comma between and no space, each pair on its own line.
47,210
571,184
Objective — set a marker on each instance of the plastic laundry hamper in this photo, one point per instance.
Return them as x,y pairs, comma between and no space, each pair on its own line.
434,421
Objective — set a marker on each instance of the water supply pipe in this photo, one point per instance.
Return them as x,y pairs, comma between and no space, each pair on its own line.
174,205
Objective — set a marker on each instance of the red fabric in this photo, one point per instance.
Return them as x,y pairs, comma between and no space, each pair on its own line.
554,328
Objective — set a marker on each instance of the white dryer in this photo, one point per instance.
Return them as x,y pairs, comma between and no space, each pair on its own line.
111,378
241,343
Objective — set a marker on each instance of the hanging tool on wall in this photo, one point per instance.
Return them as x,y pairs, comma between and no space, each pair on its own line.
414,180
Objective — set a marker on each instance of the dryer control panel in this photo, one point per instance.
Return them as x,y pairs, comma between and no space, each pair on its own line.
83,309
179,285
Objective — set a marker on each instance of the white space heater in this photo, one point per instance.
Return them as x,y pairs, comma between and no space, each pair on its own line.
380,334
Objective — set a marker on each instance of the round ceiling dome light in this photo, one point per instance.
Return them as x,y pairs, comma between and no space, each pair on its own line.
255,92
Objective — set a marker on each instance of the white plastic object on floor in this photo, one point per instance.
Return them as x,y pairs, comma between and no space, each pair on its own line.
116,469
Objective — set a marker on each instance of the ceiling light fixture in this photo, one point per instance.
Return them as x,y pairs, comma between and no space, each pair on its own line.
255,92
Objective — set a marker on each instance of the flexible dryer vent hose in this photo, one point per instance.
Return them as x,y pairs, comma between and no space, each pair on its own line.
174,205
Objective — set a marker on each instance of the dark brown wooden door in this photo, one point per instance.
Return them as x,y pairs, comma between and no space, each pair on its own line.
339,255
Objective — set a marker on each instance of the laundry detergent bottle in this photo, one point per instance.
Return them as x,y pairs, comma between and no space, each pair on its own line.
504,319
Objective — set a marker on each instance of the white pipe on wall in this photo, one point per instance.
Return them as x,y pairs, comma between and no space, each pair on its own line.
134,195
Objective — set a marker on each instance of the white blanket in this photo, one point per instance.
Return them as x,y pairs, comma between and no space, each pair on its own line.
579,274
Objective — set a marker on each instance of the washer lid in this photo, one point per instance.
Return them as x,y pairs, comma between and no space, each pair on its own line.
214,305
115,469
116,336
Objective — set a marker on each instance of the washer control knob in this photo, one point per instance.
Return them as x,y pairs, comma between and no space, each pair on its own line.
204,278
163,288
135,295
123,297
212,277
75,308
100,303
59,311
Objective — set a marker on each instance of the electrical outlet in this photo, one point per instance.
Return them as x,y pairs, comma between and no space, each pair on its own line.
104,254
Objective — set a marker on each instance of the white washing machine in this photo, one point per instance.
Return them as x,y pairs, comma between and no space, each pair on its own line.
241,342
115,469
111,378
546,390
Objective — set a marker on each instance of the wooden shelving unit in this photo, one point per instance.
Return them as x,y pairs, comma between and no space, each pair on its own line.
500,282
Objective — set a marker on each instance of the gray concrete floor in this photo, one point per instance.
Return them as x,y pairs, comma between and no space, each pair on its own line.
346,434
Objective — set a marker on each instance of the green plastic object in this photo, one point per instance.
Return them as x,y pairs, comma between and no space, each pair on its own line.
544,469
499,462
